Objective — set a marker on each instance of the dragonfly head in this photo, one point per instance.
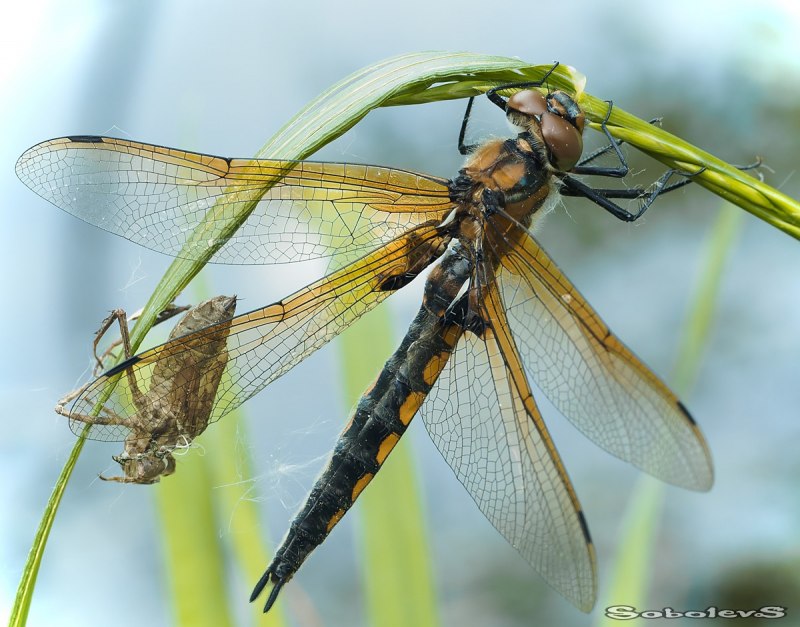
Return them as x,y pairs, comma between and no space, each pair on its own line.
557,118
144,468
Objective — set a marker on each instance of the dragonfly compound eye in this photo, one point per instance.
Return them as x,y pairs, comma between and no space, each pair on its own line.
563,139
527,101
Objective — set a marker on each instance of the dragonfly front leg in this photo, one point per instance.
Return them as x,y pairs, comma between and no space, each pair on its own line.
379,421
120,316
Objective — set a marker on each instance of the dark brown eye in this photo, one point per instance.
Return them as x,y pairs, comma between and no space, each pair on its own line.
563,140
527,101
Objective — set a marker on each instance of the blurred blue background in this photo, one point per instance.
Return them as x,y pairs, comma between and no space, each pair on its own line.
222,79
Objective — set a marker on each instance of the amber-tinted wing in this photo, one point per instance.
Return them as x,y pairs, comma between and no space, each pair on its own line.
156,196
263,344
592,378
482,417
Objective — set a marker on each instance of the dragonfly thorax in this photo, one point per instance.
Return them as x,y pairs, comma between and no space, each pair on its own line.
504,178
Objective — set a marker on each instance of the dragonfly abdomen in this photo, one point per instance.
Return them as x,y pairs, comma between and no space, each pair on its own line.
379,421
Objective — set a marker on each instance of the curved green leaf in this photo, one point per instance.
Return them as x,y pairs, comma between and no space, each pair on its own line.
717,176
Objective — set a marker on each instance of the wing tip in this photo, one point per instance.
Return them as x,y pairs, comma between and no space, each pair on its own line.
705,481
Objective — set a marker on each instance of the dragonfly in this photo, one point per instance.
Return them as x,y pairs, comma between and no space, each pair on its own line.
177,403
496,314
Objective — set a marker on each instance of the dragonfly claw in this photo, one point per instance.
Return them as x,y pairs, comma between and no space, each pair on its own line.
269,575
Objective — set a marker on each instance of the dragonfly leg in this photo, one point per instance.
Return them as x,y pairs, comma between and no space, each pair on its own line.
463,148
611,146
497,99
123,319
603,197
106,417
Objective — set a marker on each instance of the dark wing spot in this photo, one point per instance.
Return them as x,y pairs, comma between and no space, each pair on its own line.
122,367
86,139
686,413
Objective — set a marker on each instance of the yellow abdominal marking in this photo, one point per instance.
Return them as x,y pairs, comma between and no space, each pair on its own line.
335,519
360,485
386,447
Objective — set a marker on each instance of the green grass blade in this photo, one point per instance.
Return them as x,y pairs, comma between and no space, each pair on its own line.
395,564
239,516
723,237
22,602
630,577
206,517
633,564
207,493
193,553
719,177
395,81
327,117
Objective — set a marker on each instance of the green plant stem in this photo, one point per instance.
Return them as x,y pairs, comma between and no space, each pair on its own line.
193,552
721,178
22,602
698,326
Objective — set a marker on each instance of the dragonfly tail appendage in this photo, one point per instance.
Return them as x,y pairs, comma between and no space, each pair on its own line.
268,576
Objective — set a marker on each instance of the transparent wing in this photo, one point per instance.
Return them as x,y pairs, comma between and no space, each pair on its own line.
261,345
482,417
591,377
156,196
